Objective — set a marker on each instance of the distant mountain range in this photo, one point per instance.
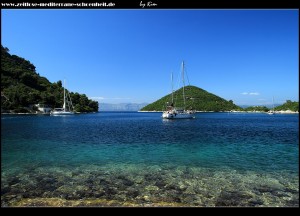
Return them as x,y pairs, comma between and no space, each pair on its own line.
121,106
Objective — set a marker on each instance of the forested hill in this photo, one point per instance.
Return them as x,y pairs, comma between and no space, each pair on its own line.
196,98
22,86
288,105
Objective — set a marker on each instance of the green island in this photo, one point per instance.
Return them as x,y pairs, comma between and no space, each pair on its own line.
196,99
202,101
288,107
23,90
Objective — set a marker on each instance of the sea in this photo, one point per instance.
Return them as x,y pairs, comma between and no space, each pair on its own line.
134,159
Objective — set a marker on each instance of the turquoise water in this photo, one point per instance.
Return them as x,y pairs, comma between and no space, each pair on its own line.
217,159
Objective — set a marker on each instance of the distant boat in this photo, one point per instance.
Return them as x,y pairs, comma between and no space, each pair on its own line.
173,112
67,108
272,112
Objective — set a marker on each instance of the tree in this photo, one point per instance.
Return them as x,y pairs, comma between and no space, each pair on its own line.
59,83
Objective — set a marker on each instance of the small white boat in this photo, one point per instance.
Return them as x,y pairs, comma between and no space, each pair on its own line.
61,111
272,112
67,108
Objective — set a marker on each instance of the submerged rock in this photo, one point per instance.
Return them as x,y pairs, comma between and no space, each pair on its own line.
233,198
13,181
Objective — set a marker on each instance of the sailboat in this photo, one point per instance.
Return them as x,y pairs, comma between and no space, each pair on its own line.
271,112
173,112
67,108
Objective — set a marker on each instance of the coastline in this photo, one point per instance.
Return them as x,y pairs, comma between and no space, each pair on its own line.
237,112
276,112
41,113
25,113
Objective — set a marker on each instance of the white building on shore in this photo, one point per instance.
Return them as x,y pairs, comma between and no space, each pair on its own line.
43,108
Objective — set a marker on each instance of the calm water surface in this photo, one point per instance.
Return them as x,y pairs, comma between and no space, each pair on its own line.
139,159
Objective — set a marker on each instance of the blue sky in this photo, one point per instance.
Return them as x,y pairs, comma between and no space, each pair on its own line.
115,56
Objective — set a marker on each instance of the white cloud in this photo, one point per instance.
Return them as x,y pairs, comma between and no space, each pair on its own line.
254,93
250,93
262,99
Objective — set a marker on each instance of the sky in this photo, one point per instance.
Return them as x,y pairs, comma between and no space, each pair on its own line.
117,56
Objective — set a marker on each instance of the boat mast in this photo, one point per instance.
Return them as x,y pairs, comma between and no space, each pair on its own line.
172,89
64,106
183,84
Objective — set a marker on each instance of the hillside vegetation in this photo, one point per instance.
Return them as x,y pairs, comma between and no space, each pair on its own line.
22,87
196,99
288,105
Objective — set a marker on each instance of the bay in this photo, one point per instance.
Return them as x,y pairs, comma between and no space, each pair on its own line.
139,159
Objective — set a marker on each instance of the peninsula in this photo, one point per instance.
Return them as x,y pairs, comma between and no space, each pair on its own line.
23,90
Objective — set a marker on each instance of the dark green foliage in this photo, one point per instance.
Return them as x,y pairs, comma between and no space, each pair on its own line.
196,98
257,108
83,104
288,105
23,87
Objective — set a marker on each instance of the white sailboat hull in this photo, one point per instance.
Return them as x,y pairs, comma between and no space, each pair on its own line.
166,115
61,113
